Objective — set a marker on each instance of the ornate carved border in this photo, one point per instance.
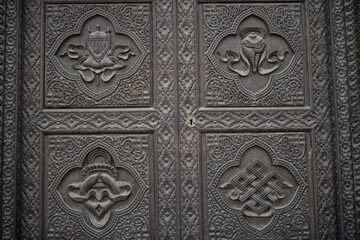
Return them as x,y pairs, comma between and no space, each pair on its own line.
346,59
2,77
11,40
346,71
318,119
161,120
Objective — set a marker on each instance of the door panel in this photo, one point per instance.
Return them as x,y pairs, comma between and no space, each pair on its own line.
98,121
255,79
176,120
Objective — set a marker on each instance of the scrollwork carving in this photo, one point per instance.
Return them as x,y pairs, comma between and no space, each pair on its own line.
96,59
97,184
250,59
87,61
254,56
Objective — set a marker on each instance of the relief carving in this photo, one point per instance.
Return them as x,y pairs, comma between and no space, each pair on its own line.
252,53
98,182
99,190
97,55
255,186
97,59
253,56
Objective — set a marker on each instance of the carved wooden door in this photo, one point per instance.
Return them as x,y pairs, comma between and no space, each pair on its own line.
258,163
99,121
175,120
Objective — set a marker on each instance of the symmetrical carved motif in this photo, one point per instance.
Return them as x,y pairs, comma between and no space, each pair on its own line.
257,188
99,189
96,59
98,185
220,226
260,52
100,51
253,56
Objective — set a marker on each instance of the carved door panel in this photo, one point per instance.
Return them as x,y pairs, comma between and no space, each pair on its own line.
175,120
256,151
98,120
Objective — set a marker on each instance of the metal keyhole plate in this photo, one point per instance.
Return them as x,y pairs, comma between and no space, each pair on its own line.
191,122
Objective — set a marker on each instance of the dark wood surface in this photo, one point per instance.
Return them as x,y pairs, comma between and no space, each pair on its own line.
179,119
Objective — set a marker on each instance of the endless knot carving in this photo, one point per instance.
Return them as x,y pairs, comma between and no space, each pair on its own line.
99,190
256,186
257,190
96,59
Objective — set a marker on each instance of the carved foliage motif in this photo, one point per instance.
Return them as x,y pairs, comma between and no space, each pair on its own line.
254,55
258,184
93,50
100,183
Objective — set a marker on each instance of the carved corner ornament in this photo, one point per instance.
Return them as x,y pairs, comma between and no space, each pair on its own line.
258,190
250,53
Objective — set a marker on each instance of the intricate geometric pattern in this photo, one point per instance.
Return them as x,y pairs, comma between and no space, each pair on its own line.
258,190
165,97
89,120
98,184
253,181
30,142
189,137
2,68
324,139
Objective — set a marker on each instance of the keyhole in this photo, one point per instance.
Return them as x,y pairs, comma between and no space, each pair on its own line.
190,122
